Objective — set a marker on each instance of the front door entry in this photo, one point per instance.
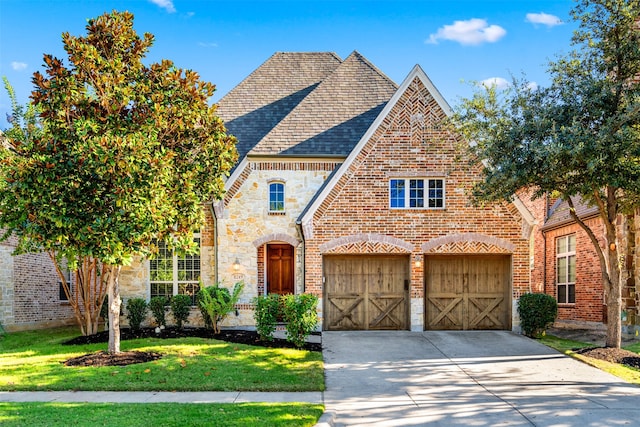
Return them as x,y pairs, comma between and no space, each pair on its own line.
280,269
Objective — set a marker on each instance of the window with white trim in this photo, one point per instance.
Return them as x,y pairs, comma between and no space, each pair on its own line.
417,193
172,274
566,269
276,197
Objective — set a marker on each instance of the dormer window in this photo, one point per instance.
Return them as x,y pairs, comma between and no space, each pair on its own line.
276,197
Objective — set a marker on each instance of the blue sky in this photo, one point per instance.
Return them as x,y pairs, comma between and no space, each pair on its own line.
455,41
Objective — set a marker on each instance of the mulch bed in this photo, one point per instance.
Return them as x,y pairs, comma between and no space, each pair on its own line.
613,355
102,358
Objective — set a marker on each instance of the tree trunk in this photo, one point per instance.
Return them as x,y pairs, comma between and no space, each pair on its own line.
113,292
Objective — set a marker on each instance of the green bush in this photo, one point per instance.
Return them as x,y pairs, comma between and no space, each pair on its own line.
136,312
217,302
267,310
300,316
180,308
158,307
537,312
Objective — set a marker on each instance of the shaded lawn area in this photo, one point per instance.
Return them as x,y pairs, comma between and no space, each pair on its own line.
571,348
33,361
158,414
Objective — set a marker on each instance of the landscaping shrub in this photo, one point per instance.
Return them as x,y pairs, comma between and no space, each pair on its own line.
158,307
216,302
301,317
537,312
267,309
180,308
136,312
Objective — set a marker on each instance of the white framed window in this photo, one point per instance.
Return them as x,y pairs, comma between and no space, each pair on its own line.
171,274
276,197
417,193
566,269
62,295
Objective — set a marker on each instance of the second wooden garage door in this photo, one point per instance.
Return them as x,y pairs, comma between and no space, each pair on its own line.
468,292
364,292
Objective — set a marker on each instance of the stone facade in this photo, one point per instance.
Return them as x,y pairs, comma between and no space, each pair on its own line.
245,225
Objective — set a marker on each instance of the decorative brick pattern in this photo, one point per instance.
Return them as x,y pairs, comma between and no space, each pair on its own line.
410,140
368,243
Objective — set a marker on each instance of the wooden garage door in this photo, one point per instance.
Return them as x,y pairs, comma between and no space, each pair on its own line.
366,292
468,292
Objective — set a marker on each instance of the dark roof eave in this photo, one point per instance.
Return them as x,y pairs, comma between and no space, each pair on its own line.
564,223
295,156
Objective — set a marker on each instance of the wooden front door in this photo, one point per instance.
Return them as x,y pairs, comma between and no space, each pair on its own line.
280,266
467,292
364,292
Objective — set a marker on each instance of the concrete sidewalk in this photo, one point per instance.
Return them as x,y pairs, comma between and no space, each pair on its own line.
159,397
474,378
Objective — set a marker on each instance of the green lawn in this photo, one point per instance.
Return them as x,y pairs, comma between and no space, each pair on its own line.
567,347
33,361
158,414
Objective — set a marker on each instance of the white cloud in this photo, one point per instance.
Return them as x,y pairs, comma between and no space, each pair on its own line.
544,19
18,66
497,82
471,32
165,4
532,85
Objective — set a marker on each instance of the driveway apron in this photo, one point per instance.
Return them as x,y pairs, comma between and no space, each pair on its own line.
471,378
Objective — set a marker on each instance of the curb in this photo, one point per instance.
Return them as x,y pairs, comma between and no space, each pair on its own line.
327,419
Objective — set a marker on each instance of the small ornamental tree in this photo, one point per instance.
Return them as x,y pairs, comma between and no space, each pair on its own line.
578,137
127,153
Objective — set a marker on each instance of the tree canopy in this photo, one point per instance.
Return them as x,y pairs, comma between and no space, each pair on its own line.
127,152
580,136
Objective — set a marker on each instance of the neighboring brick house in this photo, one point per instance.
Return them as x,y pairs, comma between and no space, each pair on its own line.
29,293
566,265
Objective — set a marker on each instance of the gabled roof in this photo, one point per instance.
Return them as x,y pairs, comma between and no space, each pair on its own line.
307,215
256,105
559,214
332,118
305,104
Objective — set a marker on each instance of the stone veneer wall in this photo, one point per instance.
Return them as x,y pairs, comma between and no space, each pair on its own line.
6,286
246,224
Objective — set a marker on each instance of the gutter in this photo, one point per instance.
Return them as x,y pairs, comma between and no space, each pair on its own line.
304,256
215,242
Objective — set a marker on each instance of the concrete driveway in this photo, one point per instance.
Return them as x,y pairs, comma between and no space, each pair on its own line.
475,378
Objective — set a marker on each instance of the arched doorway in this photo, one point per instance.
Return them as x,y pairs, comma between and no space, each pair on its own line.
280,269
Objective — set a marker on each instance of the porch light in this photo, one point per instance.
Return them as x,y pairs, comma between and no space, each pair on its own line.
236,265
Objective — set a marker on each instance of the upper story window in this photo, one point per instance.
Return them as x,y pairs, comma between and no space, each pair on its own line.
566,269
276,197
417,193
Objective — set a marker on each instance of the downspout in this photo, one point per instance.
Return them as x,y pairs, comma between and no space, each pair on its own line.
302,249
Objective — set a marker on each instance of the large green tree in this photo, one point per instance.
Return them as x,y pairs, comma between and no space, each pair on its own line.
577,137
128,153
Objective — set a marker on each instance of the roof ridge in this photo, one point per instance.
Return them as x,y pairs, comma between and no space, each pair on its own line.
370,65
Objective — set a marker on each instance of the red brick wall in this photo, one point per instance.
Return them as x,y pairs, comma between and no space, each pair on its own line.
589,290
538,209
411,142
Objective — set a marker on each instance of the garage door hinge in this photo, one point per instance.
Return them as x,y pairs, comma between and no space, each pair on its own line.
406,284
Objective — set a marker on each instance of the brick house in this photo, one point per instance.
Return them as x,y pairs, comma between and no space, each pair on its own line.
565,264
348,187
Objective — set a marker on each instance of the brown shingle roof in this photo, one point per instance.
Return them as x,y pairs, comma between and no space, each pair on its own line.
266,96
559,214
333,117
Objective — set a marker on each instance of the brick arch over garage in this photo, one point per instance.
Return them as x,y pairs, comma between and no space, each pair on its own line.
468,243
276,237
366,243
